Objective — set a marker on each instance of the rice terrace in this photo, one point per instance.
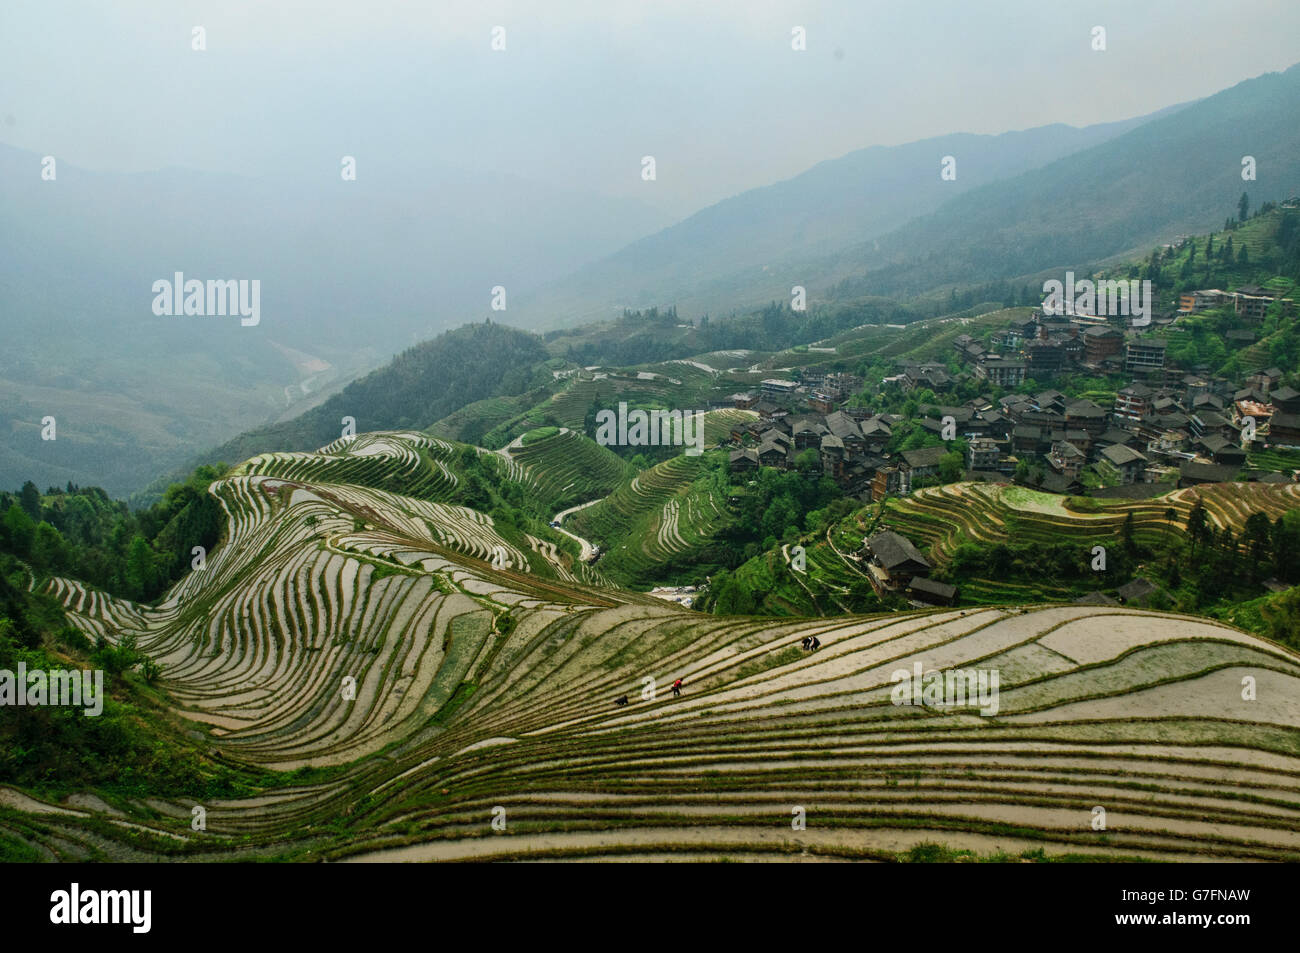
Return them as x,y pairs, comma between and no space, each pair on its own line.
534,437
479,690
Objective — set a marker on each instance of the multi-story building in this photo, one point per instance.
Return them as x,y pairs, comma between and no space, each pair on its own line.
1145,355
1046,358
1251,307
821,402
775,389
1133,402
891,481
1192,301
1100,342
1002,372
982,454
1252,302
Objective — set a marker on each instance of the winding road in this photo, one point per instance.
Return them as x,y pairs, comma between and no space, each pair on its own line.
588,550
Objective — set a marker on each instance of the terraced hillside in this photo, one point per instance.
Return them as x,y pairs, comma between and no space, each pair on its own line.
400,460
409,693
569,468
415,465
718,424
939,518
662,513
833,580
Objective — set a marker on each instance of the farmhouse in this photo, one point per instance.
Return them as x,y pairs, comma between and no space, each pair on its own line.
1138,592
846,428
1123,462
1284,429
1285,399
1066,459
1096,598
1223,451
876,433
772,455
1086,415
925,462
896,558
744,459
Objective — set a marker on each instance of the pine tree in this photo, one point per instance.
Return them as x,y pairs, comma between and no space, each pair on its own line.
30,498
17,530
1196,524
139,568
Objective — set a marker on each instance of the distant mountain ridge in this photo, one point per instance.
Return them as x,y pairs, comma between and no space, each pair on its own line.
1177,174
735,254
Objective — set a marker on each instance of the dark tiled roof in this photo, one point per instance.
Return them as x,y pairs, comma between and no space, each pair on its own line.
1095,598
1138,590
896,551
933,587
1120,454
926,457
1207,472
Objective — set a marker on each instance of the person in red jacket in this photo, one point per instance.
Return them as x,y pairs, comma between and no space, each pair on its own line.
677,688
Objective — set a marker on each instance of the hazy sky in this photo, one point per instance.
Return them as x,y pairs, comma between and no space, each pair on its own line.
585,89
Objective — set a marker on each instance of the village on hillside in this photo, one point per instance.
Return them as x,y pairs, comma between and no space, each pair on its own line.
1166,426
